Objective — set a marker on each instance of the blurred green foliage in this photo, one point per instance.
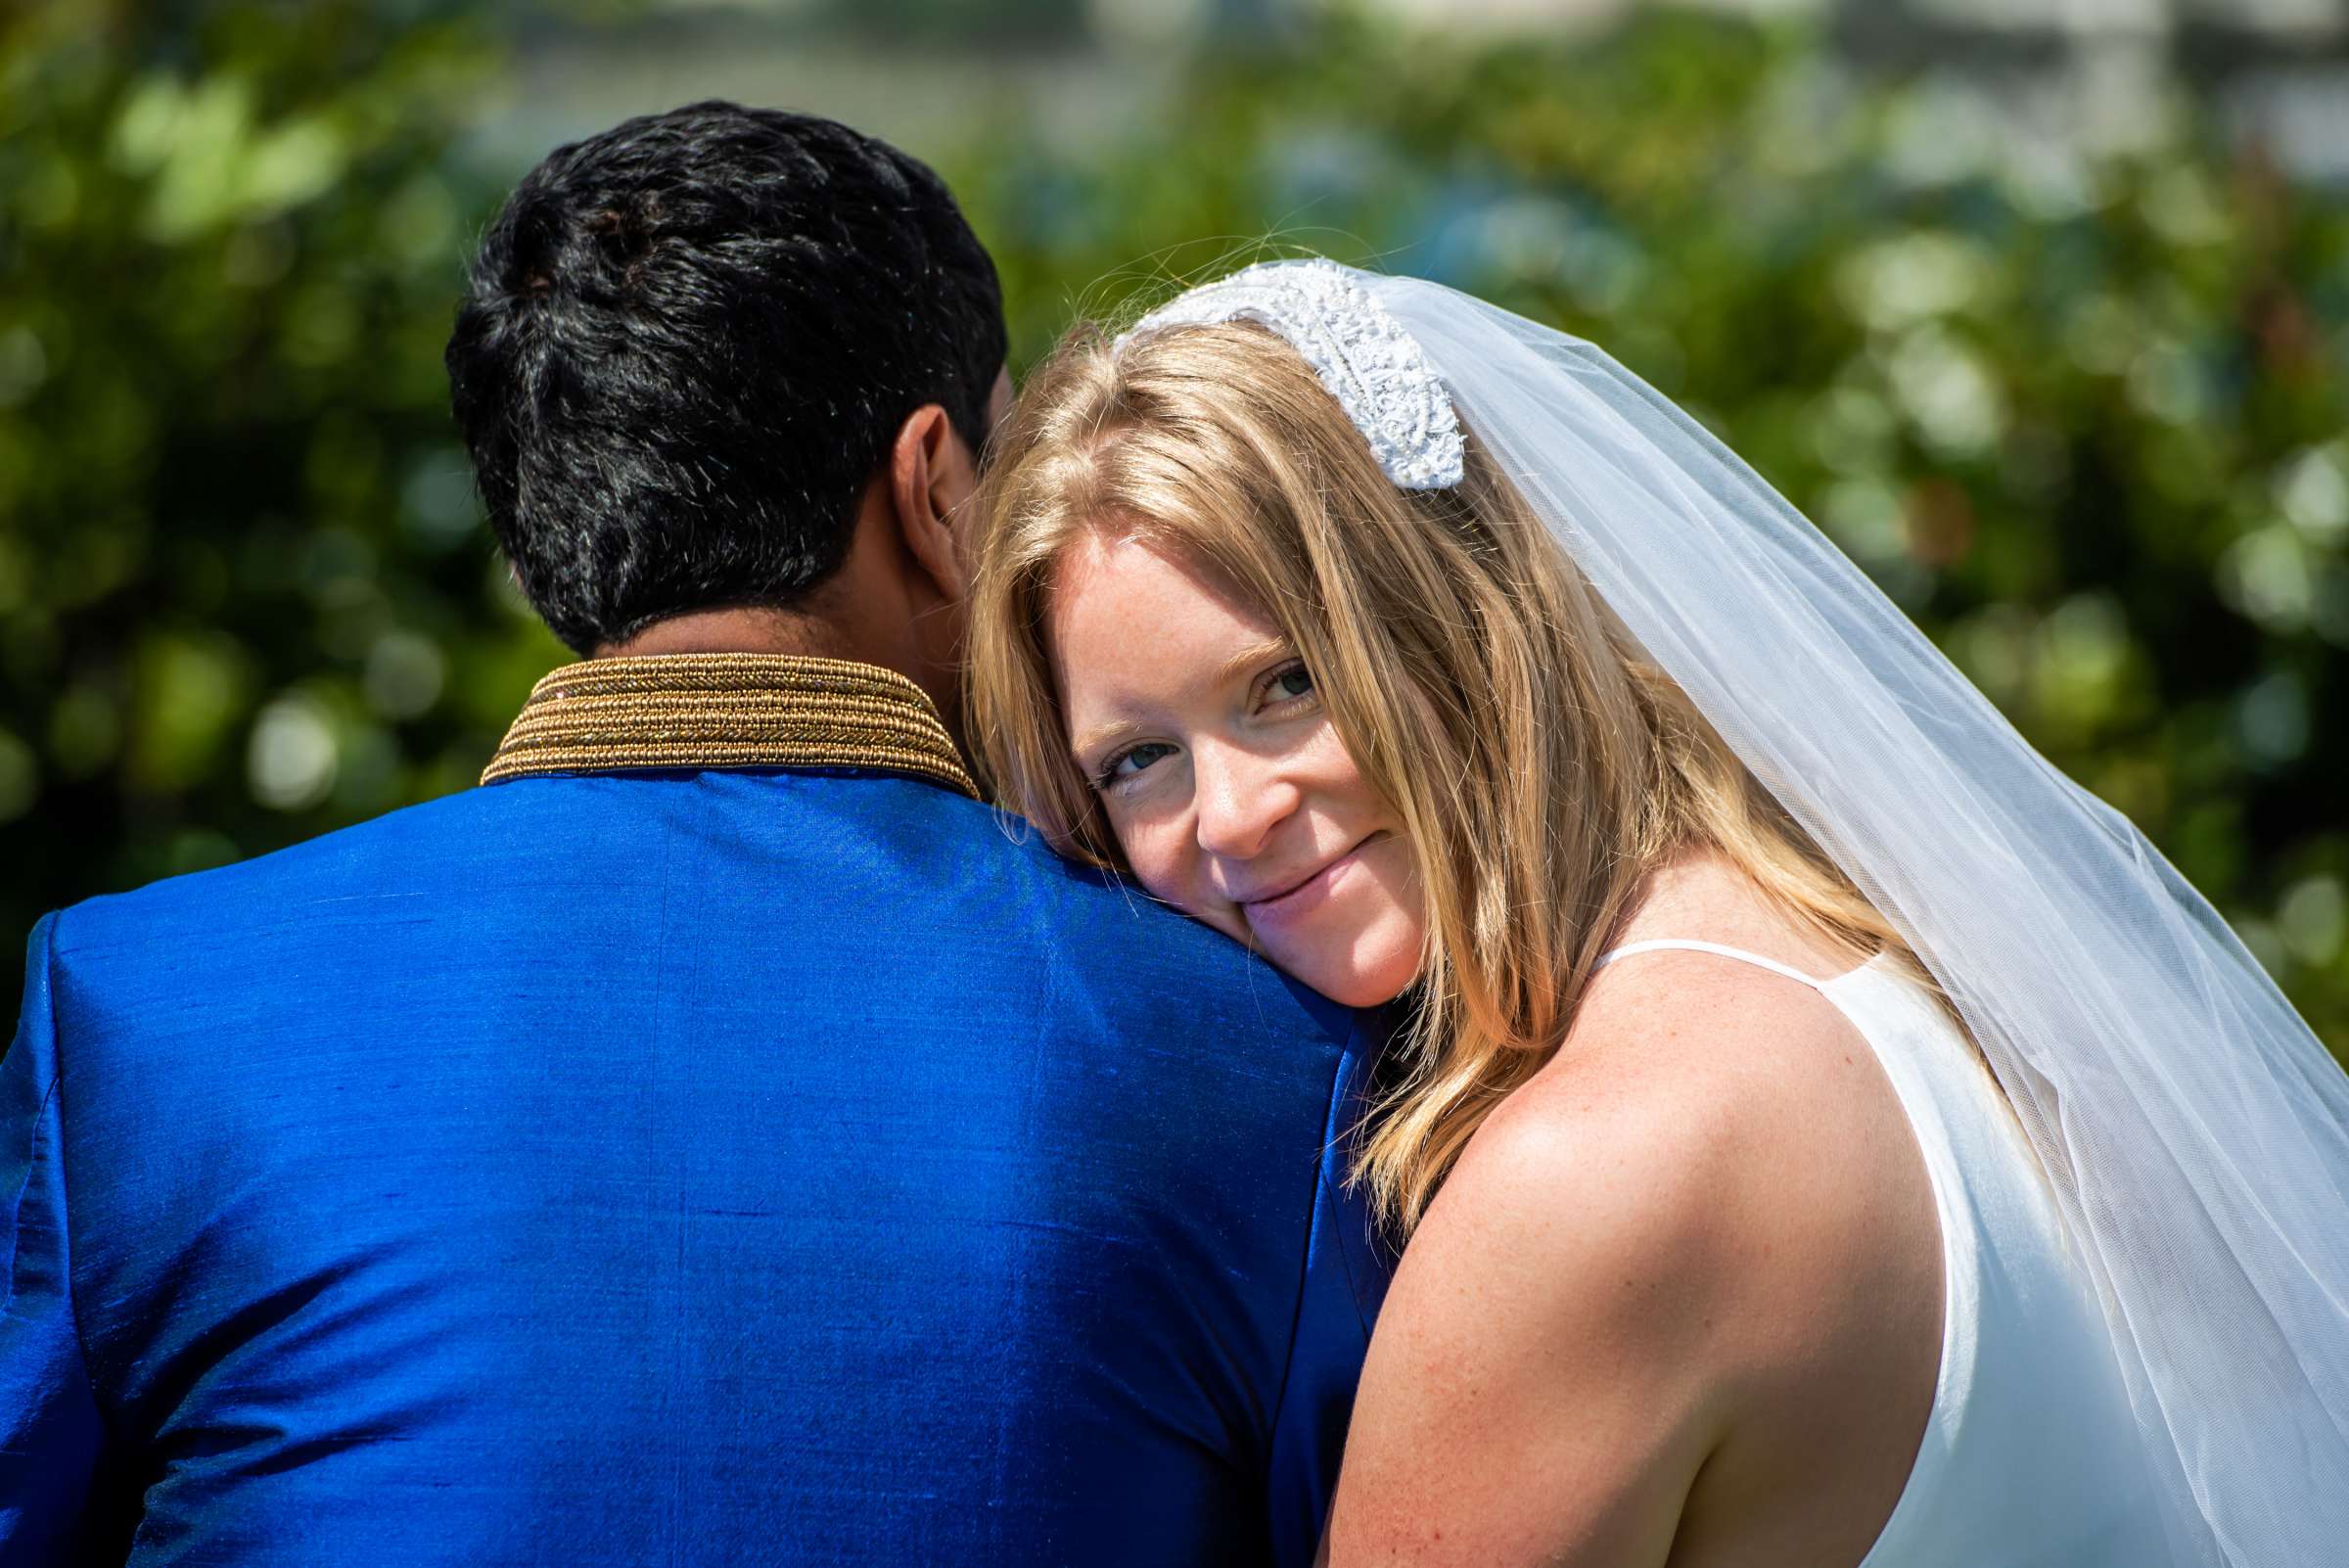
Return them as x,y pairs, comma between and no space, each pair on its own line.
245,593
2082,416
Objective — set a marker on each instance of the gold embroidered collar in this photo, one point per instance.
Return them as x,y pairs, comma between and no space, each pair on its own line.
720,711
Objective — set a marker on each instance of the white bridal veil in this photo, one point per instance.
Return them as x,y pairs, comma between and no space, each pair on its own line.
2196,1131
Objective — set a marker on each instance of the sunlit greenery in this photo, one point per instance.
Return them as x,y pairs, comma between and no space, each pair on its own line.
2082,416
243,592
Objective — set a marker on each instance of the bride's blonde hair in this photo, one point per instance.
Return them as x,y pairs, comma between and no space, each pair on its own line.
1539,765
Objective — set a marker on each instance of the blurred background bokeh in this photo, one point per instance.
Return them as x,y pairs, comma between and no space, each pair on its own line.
2041,310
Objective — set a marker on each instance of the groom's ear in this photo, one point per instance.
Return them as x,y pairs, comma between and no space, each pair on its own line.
931,477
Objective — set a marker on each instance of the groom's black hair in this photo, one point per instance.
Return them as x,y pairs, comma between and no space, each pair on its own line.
688,343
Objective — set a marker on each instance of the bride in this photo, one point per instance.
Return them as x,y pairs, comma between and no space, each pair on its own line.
1824,1134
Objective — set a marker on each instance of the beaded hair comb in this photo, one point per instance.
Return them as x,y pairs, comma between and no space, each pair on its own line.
1371,365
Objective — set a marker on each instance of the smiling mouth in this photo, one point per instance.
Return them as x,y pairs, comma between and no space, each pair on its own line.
1274,903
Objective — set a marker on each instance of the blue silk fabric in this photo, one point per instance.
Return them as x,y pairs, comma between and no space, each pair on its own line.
695,1167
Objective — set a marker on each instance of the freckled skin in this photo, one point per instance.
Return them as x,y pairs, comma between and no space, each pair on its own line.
1654,1319
1229,783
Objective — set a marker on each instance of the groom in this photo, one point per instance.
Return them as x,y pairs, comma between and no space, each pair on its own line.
715,1140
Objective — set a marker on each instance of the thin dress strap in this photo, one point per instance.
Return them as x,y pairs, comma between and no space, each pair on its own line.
1690,944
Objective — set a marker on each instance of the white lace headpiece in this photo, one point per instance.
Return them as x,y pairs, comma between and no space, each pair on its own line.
1371,365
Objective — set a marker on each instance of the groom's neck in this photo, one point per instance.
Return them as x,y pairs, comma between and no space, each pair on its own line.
746,629
880,606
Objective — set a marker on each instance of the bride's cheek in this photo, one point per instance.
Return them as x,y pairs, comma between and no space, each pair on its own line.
1153,864
1407,923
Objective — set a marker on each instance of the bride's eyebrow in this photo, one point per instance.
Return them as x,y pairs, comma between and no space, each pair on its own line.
1101,740
1246,661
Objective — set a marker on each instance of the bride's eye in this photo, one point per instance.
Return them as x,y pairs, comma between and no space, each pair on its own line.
1289,683
1130,762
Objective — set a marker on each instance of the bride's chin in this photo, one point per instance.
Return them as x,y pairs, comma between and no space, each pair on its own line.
1371,970
1365,962
1366,994
1366,967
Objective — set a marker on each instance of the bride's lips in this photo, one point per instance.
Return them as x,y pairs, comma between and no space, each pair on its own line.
1301,896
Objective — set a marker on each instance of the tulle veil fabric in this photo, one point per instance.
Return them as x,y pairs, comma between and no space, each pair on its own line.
2194,1130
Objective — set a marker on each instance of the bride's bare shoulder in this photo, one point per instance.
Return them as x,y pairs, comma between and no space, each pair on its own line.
1713,1165
1695,1090
1690,1219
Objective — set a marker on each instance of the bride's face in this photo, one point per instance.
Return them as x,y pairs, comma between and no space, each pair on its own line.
1221,775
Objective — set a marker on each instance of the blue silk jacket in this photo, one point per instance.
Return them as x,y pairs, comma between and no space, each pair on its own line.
718,1142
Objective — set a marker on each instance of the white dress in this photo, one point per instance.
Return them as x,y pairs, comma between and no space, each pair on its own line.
2031,1457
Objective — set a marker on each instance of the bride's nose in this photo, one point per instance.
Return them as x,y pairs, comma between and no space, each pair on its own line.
1240,798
